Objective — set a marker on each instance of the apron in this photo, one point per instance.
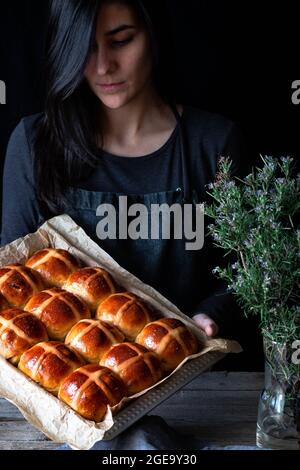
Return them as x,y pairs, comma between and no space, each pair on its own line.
178,274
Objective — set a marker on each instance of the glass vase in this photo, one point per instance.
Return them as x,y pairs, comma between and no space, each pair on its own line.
278,423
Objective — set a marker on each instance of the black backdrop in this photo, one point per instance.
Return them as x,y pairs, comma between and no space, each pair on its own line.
235,58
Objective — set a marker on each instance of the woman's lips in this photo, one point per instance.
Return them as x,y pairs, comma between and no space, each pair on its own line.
110,87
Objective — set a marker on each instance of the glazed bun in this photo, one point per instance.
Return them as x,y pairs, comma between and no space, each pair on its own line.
54,265
19,331
18,283
170,339
126,311
135,365
49,363
58,310
4,305
90,390
93,285
92,338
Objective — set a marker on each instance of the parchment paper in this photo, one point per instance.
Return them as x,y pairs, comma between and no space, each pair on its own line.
48,414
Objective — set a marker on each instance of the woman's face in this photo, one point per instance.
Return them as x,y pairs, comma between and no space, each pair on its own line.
120,62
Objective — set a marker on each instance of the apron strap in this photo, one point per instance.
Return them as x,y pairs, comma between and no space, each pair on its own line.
186,182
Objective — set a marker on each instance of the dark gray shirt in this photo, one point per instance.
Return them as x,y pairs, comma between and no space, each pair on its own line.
208,137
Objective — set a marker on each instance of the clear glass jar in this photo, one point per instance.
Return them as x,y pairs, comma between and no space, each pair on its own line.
278,422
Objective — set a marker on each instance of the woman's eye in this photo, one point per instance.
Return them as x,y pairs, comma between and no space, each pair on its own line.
123,42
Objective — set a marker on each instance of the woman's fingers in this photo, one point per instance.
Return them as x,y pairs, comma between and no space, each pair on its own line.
207,324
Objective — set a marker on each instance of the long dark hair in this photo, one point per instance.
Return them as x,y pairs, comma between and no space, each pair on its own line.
65,149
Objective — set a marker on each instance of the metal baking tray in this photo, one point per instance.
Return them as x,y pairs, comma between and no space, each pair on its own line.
63,232
154,397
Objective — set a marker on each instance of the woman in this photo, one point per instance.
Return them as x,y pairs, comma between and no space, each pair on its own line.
110,129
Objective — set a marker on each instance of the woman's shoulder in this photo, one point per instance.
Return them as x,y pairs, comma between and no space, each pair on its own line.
31,120
18,154
217,135
28,126
206,123
25,130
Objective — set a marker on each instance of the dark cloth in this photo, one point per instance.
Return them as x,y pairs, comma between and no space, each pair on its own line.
183,276
153,433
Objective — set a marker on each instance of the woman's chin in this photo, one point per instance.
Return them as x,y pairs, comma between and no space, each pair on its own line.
115,101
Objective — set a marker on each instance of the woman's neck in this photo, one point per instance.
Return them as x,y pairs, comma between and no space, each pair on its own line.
139,119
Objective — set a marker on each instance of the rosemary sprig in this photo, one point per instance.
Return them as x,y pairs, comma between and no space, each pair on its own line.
257,219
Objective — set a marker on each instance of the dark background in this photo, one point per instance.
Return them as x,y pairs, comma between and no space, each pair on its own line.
234,58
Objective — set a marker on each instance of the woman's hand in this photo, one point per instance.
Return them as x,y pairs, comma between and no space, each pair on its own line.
207,324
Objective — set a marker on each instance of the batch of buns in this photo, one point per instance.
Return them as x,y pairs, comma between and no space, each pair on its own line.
81,336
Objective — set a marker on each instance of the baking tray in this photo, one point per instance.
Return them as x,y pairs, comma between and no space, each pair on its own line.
63,232
154,397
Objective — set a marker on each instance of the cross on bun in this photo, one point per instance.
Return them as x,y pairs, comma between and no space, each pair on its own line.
126,311
19,331
48,364
135,365
18,283
170,339
90,389
92,284
58,310
54,265
92,338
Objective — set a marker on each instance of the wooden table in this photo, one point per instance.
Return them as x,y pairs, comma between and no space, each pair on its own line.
218,407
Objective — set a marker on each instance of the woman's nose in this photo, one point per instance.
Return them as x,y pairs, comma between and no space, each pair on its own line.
104,61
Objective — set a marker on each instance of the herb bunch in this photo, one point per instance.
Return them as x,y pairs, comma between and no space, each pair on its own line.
257,220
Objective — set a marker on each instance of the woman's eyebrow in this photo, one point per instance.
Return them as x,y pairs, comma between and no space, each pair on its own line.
122,27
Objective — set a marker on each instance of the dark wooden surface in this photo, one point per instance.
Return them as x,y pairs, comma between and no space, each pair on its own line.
217,407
